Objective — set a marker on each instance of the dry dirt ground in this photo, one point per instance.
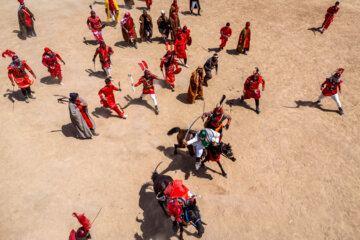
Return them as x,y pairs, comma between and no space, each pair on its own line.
297,175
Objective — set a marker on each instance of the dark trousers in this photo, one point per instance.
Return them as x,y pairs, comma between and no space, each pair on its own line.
26,91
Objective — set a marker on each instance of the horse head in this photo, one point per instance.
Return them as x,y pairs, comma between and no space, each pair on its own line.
192,214
226,150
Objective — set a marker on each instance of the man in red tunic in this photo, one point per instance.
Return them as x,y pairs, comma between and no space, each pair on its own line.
148,4
26,21
50,60
225,33
178,196
109,100
128,29
104,52
169,62
180,48
17,73
83,233
252,88
95,25
244,40
186,35
330,87
329,17
148,87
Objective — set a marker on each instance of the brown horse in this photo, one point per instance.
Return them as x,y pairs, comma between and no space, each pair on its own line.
212,153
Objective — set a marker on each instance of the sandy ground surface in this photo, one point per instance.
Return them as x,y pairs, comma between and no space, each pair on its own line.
297,175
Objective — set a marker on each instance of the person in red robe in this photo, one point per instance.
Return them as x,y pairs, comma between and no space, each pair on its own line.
18,75
225,33
50,60
329,17
186,35
180,48
26,21
108,99
104,52
244,39
148,87
95,25
171,68
83,233
252,88
128,29
178,196
330,88
148,4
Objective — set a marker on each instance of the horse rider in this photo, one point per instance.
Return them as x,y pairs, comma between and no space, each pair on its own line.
203,139
215,120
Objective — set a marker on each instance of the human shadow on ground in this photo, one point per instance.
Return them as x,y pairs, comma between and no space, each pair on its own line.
154,224
315,29
103,3
67,130
49,80
186,13
19,34
160,40
103,112
91,42
214,49
301,103
182,161
162,83
183,97
137,101
232,52
98,74
238,102
122,44
13,95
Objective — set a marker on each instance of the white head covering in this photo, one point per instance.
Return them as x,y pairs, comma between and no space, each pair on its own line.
162,11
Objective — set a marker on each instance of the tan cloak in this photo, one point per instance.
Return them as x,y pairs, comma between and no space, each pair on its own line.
241,44
142,25
196,85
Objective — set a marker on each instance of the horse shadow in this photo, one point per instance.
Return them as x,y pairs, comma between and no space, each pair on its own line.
184,162
98,74
49,80
13,95
214,49
137,101
183,97
122,44
103,2
238,102
315,29
91,42
154,224
102,112
232,52
301,103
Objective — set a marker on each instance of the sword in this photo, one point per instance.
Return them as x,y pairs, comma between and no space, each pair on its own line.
191,126
132,82
92,223
13,101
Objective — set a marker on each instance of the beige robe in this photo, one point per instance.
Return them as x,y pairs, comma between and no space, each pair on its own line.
195,90
81,127
142,25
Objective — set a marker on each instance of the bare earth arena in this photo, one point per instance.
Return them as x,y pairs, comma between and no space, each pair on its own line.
297,171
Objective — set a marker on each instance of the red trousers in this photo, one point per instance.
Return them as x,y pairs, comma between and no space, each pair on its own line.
328,20
170,77
223,42
148,3
55,71
113,106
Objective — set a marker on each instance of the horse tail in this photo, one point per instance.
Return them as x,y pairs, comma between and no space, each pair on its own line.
155,174
173,130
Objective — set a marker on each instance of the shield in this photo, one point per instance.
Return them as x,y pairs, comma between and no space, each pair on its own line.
189,41
178,70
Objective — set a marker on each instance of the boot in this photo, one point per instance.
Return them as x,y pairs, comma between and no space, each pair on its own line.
157,110
93,132
242,98
258,110
341,111
32,97
175,227
124,116
197,164
26,99
135,45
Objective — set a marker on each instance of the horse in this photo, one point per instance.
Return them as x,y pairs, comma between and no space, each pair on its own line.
212,153
191,213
